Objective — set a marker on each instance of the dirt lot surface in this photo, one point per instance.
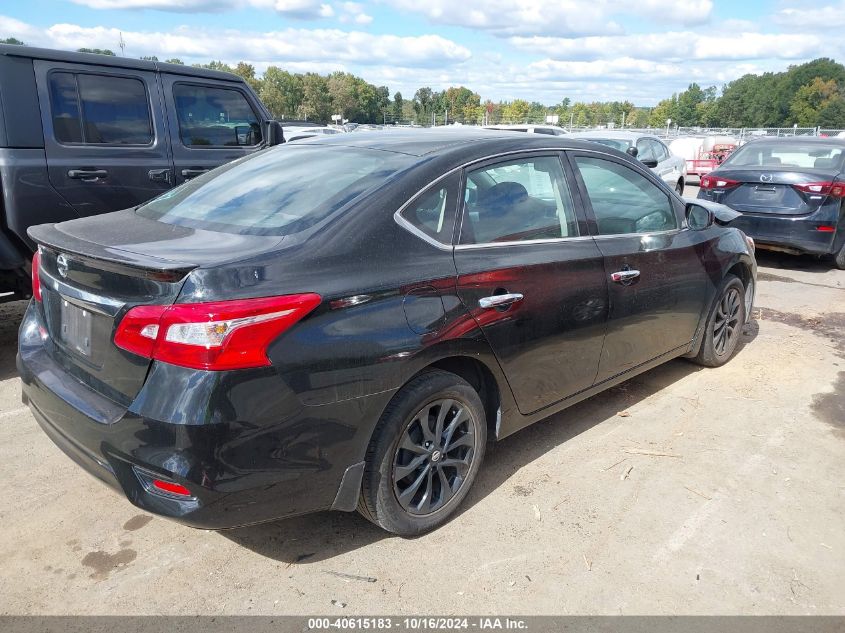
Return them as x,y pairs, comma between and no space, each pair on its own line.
684,490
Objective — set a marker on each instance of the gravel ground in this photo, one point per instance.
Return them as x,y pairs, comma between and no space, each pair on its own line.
742,514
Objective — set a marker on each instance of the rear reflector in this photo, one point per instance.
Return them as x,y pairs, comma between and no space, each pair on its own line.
36,278
715,182
826,229
170,487
833,189
220,335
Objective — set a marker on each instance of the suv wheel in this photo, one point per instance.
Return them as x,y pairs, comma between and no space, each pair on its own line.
724,324
424,455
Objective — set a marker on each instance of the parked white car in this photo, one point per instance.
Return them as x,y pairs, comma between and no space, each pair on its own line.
650,151
551,130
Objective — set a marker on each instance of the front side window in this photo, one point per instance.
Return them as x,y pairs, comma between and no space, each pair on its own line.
623,200
524,199
661,153
276,193
100,109
215,117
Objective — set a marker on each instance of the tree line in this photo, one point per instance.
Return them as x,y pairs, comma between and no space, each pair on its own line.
806,95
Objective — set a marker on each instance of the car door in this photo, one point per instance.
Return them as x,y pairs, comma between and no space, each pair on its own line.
532,277
104,135
657,281
210,122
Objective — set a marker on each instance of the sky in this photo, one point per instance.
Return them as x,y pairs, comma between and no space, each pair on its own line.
636,50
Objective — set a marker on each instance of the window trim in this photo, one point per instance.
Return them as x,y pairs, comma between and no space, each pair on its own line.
75,73
508,157
410,226
648,174
234,88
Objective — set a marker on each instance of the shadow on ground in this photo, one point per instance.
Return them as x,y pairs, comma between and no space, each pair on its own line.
804,263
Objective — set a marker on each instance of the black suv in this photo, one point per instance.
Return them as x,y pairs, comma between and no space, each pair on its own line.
83,134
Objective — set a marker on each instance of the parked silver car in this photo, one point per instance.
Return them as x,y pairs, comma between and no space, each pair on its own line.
650,150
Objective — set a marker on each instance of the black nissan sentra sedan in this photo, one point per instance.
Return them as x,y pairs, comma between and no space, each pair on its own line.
790,192
344,322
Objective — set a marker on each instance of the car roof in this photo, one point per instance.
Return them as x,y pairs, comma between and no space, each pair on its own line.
31,52
463,143
621,135
826,140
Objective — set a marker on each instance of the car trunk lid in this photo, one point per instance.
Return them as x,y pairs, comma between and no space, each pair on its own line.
771,193
95,269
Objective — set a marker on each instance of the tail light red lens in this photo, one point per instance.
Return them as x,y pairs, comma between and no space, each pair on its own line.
171,488
219,335
833,189
715,182
36,278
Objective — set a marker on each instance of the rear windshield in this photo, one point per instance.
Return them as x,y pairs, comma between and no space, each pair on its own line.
611,142
797,154
275,192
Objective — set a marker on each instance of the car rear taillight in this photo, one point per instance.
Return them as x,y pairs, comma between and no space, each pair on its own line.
215,336
36,278
833,189
715,182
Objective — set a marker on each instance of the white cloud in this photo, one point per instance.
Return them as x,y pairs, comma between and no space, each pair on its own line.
561,17
301,46
678,46
297,9
804,16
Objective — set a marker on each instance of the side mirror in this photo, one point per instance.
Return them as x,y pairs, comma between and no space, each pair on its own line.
633,151
651,163
699,218
273,133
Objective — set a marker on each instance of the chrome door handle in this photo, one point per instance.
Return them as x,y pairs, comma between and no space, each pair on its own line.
193,173
498,301
622,276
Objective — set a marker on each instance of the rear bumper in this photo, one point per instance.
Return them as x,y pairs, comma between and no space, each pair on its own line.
265,457
797,233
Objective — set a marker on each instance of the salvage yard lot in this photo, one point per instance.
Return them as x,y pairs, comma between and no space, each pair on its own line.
684,490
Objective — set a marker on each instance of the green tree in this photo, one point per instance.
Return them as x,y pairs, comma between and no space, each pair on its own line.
150,58
397,107
811,99
516,111
422,104
175,60
12,40
316,104
282,93
97,51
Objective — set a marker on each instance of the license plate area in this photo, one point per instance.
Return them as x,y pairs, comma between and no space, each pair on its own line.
75,327
764,193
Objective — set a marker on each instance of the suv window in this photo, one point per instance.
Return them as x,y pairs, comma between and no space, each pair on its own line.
524,199
100,109
623,200
433,212
214,117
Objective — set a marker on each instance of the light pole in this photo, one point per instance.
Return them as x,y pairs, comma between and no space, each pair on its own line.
668,123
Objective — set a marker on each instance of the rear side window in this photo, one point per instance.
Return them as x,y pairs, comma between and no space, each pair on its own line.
433,211
623,200
279,192
215,117
100,109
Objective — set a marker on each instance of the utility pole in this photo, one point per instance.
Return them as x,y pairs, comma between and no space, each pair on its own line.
122,45
446,117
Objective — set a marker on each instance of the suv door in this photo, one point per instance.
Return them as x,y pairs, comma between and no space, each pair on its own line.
210,122
658,282
532,277
104,135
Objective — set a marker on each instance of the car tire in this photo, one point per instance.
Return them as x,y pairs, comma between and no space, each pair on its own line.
679,187
839,258
724,324
406,451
